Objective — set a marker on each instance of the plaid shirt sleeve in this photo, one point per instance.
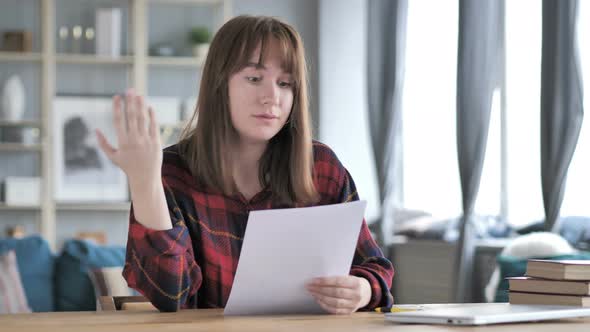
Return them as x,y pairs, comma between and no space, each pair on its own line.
368,261
161,264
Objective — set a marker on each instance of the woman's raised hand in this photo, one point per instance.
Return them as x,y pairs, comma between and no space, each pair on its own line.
139,152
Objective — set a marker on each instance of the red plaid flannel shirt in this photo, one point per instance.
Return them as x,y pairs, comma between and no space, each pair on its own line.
193,264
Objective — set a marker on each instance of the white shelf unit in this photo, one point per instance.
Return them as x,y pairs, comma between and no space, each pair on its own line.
93,59
89,206
20,57
139,63
21,123
176,61
5,207
19,147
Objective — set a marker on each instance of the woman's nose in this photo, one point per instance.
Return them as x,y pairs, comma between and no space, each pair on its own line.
270,93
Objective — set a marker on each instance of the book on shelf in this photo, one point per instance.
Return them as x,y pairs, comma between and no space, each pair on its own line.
558,269
549,299
536,285
108,32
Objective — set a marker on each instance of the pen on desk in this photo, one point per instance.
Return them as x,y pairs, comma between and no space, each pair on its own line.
398,309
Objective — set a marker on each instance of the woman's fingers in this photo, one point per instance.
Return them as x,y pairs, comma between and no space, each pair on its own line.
333,309
131,113
336,281
335,292
154,131
119,120
334,302
340,294
141,115
335,298
138,154
107,148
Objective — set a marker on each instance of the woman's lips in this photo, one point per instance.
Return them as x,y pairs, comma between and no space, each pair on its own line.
266,116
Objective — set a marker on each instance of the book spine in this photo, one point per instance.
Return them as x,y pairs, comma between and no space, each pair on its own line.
108,32
533,298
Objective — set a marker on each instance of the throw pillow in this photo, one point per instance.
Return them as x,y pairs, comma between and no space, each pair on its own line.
35,265
12,294
73,288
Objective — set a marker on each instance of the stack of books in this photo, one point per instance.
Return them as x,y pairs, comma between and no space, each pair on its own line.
557,282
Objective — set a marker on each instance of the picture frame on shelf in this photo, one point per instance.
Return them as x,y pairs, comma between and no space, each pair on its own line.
189,106
82,172
167,109
170,134
168,113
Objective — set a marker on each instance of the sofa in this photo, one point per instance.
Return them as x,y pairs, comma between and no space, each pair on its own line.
66,281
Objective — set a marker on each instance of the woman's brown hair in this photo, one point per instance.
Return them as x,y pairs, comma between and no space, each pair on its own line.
286,167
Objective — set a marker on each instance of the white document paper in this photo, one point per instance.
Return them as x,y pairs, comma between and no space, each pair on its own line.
283,249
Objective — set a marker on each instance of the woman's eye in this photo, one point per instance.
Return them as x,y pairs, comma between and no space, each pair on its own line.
253,79
285,84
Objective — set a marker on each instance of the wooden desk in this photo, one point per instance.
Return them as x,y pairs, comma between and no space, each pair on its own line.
213,320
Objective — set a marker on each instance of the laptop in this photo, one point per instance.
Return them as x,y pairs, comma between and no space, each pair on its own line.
485,313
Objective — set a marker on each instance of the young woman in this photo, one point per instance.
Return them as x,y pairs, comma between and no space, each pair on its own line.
249,149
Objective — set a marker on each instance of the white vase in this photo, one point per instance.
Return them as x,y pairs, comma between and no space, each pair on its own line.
13,99
200,50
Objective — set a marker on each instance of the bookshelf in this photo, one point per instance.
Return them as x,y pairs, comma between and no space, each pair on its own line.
92,59
86,206
4,207
20,57
18,147
176,61
21,123
53,67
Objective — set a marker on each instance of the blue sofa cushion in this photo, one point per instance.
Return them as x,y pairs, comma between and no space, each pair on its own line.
36,266
73,288
516,267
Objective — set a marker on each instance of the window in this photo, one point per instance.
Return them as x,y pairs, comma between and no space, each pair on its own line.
431,177
523,111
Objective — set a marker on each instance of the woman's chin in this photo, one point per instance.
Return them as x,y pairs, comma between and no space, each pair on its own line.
258,138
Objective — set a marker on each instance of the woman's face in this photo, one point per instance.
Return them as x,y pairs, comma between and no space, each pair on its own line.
260,97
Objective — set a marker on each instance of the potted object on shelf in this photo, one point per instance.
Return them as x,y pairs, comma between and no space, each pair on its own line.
13,99
12,108
200,37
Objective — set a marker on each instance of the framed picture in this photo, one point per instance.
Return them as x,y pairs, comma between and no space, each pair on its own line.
168,112
170,134
83,173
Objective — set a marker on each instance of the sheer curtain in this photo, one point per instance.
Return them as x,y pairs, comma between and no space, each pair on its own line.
386,52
